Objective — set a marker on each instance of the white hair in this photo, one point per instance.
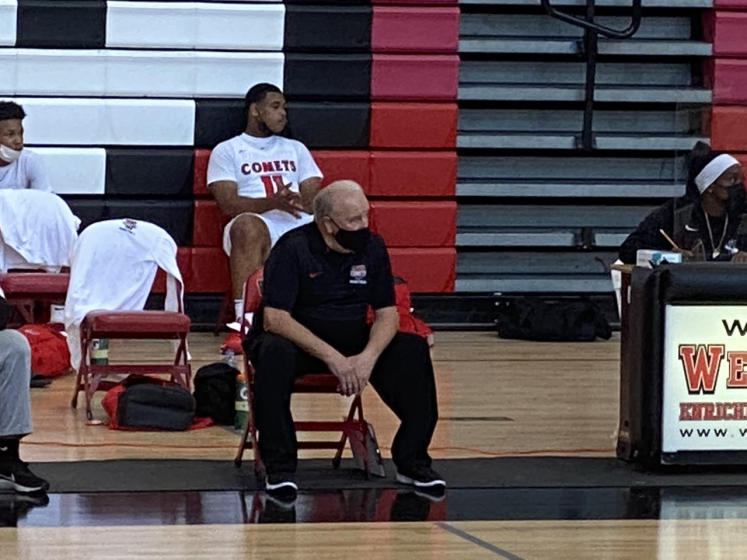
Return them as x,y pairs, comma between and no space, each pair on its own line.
324,201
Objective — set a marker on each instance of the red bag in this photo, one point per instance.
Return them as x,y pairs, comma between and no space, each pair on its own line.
50,356
407,321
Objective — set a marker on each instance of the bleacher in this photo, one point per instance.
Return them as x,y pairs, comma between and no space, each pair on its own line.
537,213
462,122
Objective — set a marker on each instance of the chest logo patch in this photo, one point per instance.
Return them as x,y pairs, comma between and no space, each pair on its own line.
358,274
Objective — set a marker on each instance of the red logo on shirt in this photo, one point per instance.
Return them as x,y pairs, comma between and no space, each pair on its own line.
268,166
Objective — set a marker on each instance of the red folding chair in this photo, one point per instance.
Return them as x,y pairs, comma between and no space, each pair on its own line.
353,427
141,325
24,289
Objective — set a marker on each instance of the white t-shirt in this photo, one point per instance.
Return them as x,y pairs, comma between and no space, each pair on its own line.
27,172
256,165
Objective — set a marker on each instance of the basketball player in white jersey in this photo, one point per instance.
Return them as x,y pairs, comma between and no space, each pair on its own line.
19,168
266,183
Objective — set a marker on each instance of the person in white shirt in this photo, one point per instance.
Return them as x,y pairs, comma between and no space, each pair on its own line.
264,182
19,168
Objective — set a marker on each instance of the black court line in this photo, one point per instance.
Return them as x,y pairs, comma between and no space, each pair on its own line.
477,418
479,542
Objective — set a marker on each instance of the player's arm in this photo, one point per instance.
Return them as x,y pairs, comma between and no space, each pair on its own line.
226,194
308,190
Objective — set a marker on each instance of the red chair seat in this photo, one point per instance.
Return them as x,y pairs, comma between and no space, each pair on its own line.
316,383
37,283
137,322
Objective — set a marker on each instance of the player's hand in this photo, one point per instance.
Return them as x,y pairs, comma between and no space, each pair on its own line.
740,258
363,364
287,200
344,369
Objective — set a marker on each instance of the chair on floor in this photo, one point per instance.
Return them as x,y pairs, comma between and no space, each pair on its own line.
107,301
354,427
24,289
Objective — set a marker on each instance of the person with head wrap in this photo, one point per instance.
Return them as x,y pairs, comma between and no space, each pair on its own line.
707,222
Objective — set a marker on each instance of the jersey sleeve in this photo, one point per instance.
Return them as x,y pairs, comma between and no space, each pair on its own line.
307,167
37,174
221,166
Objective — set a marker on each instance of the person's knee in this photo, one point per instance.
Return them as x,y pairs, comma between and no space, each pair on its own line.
274,358
249,232
411,346
15,344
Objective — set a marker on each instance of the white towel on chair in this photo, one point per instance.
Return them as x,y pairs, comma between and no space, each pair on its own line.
113,267
37,230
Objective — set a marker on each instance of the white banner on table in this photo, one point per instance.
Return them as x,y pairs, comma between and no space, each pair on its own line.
705,378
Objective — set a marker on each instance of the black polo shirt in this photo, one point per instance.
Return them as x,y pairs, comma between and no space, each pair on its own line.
326,291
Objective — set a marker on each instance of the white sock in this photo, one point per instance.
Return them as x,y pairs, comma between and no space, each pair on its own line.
238,305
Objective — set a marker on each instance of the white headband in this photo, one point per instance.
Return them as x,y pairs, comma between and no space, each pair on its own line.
713,171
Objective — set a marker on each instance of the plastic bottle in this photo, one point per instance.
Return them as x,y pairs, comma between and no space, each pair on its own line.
100,352
242,402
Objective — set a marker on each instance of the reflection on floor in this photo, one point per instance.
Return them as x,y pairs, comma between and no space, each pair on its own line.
373,505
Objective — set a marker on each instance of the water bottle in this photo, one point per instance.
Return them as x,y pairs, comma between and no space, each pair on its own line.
242,402
230,358
100,352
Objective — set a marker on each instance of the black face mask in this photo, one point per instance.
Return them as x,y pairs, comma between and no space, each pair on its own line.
735,204
356,241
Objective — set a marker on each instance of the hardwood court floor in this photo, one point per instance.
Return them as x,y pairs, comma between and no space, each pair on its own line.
496,398
553,540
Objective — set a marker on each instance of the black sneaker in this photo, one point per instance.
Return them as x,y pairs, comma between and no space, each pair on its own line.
281,487
17,477
422,478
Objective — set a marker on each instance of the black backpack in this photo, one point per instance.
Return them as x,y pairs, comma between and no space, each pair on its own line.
551,320
215,392
155,406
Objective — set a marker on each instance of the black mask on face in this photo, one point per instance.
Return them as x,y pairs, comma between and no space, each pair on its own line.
735,204
356,240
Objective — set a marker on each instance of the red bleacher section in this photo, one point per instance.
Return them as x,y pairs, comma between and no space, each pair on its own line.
410,171
726,75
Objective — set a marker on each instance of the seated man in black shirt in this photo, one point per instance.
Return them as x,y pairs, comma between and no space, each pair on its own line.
318,283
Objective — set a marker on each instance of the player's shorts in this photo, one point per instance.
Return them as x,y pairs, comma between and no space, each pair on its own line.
278,223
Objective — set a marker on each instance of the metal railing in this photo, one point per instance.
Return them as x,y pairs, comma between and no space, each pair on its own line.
588,47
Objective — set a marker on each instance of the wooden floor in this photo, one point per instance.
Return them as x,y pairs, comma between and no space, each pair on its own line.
496,398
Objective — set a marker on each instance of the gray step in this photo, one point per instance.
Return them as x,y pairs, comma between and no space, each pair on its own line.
534,271
576,94
535,238
610,123
555,283
544,27
605,3
566,46
568,142
571,189
564,81
503,216
572,169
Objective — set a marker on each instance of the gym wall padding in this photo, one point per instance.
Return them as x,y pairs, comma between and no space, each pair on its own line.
189,25
149,172
415,29
729,128
80,171
71,24
321,29
126,99
328,76
414,77
415,174
415,224
413,125
136,73
175,216
108,122
8,9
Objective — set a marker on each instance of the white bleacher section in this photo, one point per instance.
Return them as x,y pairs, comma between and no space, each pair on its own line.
537,214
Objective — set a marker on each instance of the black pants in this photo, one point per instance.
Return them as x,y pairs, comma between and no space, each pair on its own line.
403,378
